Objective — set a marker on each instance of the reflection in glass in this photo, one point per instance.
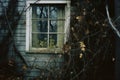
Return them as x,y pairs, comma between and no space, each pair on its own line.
53,26
56,26
39,26
53,12
40,11
56,12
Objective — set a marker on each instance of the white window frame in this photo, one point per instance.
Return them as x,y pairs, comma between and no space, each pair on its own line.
29,24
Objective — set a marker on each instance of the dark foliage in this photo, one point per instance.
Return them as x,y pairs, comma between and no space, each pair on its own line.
91,41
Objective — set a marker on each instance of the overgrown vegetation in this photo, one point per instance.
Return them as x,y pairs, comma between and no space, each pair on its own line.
89,53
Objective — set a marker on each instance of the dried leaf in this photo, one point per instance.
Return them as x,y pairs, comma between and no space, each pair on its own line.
24,67
81,55
79,18
83,49
82,46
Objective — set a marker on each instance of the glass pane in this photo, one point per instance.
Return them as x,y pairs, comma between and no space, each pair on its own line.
40,11
39,40
60,40
39,26
53,40
53,26
56,40
47,22
57,12
56,26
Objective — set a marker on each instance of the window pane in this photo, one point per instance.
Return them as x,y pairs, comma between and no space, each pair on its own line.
56,26
39,26
53,40
57,12
47,22
53,26
39,40
60,40
40,11
56,40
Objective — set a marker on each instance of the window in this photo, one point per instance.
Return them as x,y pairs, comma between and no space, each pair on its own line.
47,23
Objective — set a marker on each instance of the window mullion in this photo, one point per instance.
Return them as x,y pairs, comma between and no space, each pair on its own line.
48,26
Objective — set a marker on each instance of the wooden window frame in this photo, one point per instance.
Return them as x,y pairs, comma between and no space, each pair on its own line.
29,26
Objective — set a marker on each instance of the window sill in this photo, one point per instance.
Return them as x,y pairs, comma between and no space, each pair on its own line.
55,50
